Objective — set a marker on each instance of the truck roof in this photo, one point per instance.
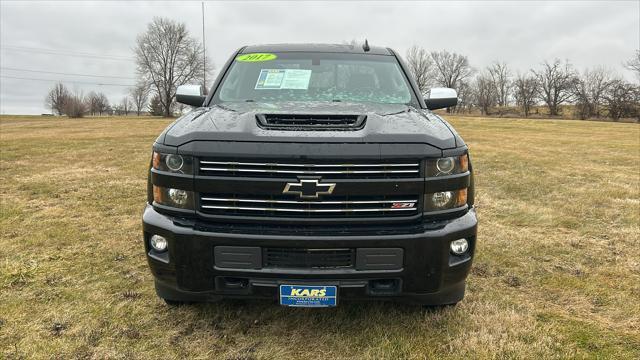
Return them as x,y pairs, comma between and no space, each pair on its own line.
330,48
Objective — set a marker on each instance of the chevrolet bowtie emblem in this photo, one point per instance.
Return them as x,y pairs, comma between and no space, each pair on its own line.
309,189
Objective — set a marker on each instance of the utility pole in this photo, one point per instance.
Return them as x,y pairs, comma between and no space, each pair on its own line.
204,53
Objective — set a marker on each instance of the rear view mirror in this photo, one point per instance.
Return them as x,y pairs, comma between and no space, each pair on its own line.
440,98
190,95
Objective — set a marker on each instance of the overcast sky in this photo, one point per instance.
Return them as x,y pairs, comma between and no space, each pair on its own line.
50,40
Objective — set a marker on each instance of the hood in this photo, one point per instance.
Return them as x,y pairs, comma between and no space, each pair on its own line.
385,123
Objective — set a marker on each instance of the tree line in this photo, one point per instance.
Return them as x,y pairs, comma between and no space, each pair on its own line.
166,56
496,90
62,101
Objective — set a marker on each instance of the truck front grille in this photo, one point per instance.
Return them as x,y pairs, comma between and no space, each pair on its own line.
364,170
327,206
307,258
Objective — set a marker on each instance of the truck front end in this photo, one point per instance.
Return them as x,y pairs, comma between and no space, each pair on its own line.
310,177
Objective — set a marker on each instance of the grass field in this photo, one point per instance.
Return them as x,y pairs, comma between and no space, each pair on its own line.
557,272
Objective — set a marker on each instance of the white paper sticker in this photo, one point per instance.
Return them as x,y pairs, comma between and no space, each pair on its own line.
296,79
278,79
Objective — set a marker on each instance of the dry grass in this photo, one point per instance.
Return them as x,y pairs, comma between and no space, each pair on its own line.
557,273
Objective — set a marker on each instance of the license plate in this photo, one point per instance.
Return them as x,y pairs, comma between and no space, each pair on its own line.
308,295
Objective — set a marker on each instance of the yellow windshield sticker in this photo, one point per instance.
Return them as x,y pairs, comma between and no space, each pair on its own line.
256,57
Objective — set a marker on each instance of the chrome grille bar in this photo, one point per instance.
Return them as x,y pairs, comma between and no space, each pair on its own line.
301,165
310,172
343,170
309,202
225,204
303,210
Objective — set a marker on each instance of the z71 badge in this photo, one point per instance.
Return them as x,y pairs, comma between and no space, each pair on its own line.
402,205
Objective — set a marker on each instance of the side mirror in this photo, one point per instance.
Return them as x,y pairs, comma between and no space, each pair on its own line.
440,98
190,95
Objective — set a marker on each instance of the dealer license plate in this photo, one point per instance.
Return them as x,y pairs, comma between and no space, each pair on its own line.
308,295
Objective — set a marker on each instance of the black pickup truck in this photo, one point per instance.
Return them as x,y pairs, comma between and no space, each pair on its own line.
311,174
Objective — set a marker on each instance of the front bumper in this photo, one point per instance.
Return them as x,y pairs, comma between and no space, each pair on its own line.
429,274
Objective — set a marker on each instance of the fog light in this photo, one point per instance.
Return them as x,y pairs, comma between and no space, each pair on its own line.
459,246
178,196
158,243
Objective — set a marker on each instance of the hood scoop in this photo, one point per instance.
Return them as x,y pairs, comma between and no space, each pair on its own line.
315,122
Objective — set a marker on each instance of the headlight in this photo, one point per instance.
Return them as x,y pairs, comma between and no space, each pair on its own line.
176,198
173,163
444,200
448,165
441,200
445,165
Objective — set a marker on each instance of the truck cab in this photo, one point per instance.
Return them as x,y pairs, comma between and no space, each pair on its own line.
311,174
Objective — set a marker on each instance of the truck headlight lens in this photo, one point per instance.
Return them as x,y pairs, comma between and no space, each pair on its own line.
445,165
459,247
177,198
448,166
174,163
441,199
444,200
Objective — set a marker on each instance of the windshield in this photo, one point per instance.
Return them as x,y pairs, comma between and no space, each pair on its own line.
308,76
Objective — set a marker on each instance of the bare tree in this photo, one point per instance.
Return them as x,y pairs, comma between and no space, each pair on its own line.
139,97
125,105
501,78
556,84
168,56
117,109
93,101
450,69
634,64
588,91
525,92
75,106
57,98
102,104
484,92
623,100
421,67
465,98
